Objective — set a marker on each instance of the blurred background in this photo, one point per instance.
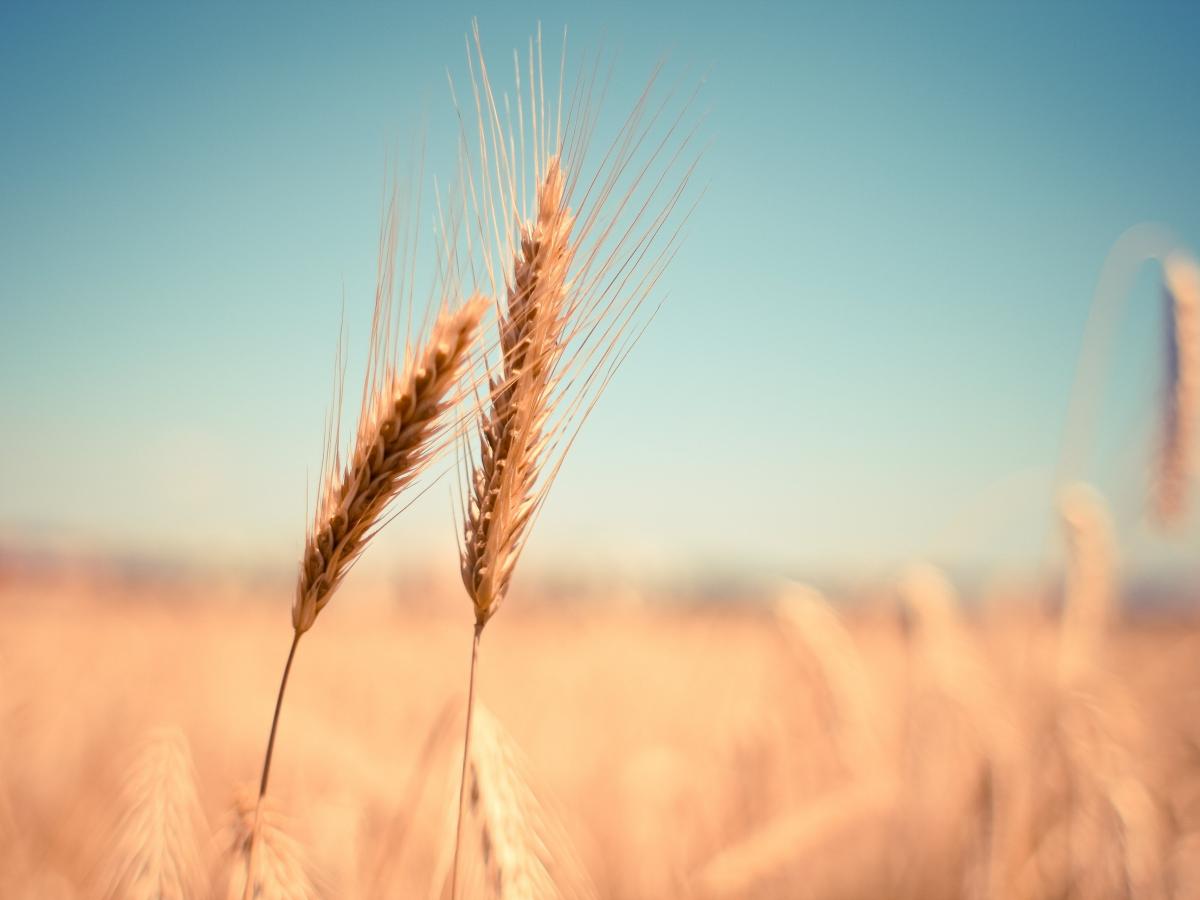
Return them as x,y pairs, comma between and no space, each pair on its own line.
866,357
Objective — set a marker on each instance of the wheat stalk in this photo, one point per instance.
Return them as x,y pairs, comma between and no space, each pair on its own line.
399,432
573,276
513,427
1181,394
403,424
156,851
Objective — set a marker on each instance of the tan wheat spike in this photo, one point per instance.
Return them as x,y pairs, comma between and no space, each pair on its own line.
816,629
1088,603
568,281
255,843
398,432
513,427
573,268
515,849
403,424
1181,393
156,852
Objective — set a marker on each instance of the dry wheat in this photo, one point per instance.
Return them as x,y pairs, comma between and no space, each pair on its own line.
513,428
517,849
158,840
403,424
1181,392
573,276
401,427
259,858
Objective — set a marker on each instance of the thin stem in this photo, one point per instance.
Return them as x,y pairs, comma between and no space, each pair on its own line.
287,668
462,782
266,772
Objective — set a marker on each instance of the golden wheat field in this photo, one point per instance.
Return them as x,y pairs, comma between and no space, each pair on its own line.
769,752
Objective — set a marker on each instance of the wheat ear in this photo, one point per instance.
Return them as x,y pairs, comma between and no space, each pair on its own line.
397,435
259,858
402,426
572,282
156,852
1181,393
512,427
400,430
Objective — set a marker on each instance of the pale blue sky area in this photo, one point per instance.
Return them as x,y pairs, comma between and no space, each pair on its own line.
870,333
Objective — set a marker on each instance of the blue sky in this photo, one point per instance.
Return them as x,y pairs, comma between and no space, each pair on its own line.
870,334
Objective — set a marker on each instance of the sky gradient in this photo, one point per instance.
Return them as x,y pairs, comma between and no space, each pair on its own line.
870,332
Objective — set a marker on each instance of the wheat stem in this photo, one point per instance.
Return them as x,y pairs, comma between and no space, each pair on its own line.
287,669
266,769
462,781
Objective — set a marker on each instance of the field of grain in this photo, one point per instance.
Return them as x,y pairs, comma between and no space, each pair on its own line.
671,751
214,728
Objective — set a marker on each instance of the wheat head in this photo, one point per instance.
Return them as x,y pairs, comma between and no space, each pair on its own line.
513,427
156,852
255,847
570,250
401,427
1181,394
516,847
573,275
